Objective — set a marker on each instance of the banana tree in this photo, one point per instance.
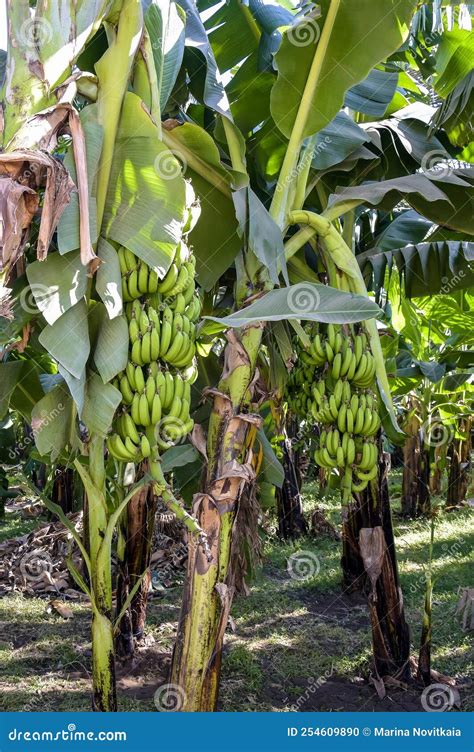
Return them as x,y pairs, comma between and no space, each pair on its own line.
121,203
296,102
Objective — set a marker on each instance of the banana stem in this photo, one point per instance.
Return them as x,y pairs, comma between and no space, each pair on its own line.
303,173
285,180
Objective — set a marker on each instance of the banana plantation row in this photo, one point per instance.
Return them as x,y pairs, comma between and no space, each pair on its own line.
235,236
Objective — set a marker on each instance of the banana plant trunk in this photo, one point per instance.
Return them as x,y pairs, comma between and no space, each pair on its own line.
390,632
291,521
104,696
138,531
424,495
460,465
411,468
209,583
424,659
63,492
352,565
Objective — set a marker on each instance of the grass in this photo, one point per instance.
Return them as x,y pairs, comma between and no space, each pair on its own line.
288,637
12,526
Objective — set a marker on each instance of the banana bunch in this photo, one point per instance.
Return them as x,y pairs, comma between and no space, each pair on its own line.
163,332
156,383
333,382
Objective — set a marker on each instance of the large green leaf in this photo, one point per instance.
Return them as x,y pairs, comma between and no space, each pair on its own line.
249,94
57,283
67,340
165,23
146,197
101,402
212,182
322,58
304,301
445,197
231,48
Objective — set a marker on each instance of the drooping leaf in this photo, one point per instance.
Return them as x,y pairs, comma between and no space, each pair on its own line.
77,387
408,227
101,402
111,349
57,283
336,141
432,370
263,235
453,60
424,268
272,468
67,340
372,95
53,422
212,183
305,301
206,82
444,197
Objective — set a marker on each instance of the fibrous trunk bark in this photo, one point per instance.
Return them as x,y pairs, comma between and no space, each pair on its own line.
390,633
353,569
138,531
63,488
411,470
209,583
291,521
424,496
